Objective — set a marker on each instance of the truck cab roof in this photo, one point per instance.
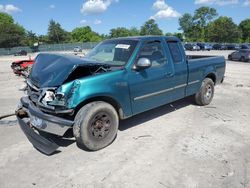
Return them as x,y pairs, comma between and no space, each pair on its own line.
148,37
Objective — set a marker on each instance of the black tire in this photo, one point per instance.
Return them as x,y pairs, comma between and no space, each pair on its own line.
96,125
229,57
242,59
206,92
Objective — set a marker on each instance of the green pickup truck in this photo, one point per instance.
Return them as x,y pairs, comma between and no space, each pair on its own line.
118,79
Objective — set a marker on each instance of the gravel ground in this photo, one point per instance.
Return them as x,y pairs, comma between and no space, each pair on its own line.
177,145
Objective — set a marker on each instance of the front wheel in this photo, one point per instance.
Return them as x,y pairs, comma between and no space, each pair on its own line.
96,125
206,93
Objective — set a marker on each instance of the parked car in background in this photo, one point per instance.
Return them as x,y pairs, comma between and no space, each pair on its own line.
20,53
77,49
191,47
219,47
231,47
205,46
22,67
196,47
188,46
237,46
245,46
240,55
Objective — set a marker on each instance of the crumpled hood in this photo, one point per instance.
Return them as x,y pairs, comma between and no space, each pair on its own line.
51,70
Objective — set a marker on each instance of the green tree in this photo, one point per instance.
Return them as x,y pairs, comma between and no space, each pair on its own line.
43,39
85,34
11,34
6,19
194,27
123,32
178,35
203,15
245,28
30,38
55,33
187,26
201,18
119,32
150,28
223,30
133,31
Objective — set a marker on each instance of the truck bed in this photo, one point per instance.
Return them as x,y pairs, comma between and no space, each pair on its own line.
198,56
200,66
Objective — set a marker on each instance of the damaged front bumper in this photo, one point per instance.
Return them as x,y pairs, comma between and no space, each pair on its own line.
33,121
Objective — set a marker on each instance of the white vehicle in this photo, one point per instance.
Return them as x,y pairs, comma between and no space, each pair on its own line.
77,49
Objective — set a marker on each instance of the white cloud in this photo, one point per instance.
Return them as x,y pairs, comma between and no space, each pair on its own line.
9,9
97,22
216,2
96,6
52,6
83,21
160,5
246,3
164,11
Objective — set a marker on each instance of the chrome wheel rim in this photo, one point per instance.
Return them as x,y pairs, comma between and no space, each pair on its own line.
208,92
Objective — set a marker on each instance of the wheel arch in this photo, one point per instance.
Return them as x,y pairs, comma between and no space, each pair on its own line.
106,99
212,76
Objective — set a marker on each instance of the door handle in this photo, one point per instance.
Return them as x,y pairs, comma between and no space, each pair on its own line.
169,74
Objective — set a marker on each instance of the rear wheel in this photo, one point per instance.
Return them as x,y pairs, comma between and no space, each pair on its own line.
96,125
229,57
242,59
206,92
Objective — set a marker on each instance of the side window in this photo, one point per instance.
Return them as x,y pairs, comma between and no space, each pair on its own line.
154,52
175,51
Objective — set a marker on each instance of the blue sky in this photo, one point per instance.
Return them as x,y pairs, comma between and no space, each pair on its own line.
102,15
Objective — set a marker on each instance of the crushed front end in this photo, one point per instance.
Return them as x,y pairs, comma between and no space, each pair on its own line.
36,118
53,90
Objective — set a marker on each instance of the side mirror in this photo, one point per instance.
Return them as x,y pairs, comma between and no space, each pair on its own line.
143,63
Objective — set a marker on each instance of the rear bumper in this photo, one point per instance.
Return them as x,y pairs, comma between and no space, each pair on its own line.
33,121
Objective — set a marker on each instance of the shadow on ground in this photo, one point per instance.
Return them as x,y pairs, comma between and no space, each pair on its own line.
8,122
155,113
126,124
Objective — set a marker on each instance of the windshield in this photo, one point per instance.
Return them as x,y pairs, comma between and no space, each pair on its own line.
113,52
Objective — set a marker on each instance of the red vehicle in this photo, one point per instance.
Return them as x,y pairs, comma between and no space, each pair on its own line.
22,67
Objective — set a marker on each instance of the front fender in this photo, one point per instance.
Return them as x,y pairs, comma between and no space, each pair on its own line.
110,86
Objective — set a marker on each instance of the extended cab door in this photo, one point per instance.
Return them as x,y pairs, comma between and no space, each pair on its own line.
153,86
178,58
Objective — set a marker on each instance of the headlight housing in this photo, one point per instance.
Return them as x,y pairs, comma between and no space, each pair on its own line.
52,98
49,96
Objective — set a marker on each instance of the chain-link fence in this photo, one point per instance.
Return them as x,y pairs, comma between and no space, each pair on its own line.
49,47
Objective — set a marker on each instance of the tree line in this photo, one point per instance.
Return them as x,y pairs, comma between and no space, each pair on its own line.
204,26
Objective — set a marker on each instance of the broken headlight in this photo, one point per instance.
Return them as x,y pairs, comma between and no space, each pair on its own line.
59,96
48,97
53,98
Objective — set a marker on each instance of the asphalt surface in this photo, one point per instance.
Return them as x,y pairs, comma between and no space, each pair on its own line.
176,145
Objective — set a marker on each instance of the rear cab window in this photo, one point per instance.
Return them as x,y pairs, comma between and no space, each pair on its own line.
175,51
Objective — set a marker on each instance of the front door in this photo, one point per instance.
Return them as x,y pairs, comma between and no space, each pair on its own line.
153,86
